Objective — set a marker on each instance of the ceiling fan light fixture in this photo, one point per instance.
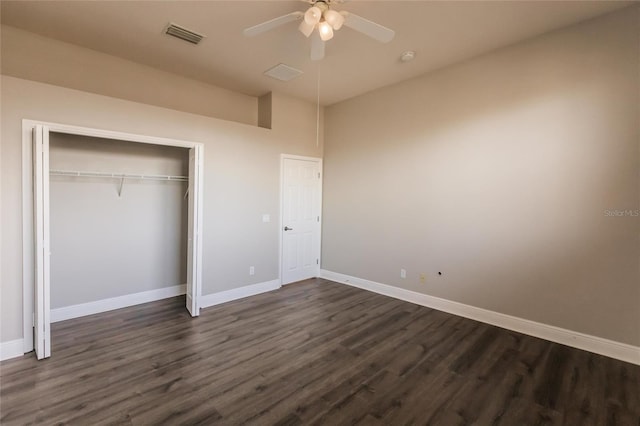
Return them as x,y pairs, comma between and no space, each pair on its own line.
334,19
312,15
306,28
320,16
325,31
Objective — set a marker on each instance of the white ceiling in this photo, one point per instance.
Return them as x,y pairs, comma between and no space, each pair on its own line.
440,32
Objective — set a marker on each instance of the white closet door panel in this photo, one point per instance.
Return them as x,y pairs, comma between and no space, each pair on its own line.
194,247
42,320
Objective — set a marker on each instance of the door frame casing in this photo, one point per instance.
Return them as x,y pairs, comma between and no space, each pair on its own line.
317,160
28,232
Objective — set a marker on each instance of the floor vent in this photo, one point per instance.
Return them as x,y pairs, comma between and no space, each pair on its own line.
183,33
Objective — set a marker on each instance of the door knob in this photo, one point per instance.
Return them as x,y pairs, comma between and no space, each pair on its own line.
286,228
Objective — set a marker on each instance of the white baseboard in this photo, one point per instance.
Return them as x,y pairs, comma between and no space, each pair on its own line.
15,348
610,348
104,305
11,349
209,300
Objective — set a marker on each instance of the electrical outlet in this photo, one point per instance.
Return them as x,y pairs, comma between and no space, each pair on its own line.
403,273
252,270
423,278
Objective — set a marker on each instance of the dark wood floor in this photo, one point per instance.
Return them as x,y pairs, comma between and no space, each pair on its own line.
311,353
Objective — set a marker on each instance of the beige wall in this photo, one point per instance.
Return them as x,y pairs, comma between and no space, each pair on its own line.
34,57
498,173
105,244
241,181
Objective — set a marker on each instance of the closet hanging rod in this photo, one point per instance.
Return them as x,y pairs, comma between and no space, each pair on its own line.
117,175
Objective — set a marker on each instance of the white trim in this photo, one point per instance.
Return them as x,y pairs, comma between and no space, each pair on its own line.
300,157
110,134
280,221
11,349
213,299
28,275
104,305
563,336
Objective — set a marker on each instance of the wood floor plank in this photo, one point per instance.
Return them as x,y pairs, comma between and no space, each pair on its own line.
314,352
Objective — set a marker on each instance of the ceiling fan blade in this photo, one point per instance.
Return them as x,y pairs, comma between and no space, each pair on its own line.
317,47
274,23
329,2
367,27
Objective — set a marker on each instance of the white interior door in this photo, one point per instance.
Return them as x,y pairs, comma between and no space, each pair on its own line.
194,248
42,320
301,202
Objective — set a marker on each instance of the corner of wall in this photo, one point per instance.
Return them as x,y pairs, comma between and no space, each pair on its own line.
265,107
298,119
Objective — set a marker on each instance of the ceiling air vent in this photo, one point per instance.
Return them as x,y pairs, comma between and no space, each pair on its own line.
283,72
183,33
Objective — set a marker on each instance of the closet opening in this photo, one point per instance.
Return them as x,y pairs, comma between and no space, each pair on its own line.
116,221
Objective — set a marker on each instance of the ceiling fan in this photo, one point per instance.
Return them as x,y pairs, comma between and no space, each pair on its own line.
319,22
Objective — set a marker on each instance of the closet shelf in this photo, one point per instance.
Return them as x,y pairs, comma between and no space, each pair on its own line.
117,175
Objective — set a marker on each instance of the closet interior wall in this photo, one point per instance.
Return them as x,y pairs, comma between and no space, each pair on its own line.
109,241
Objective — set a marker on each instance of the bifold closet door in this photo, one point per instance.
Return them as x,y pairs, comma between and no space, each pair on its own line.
194,248
42,321
41,242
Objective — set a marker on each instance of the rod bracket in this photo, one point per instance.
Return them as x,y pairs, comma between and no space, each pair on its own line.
120,187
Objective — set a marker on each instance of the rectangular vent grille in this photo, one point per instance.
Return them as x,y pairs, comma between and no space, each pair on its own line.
183,33
283,72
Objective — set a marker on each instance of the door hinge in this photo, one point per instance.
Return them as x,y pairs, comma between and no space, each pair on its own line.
318,175
317,261
318,218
